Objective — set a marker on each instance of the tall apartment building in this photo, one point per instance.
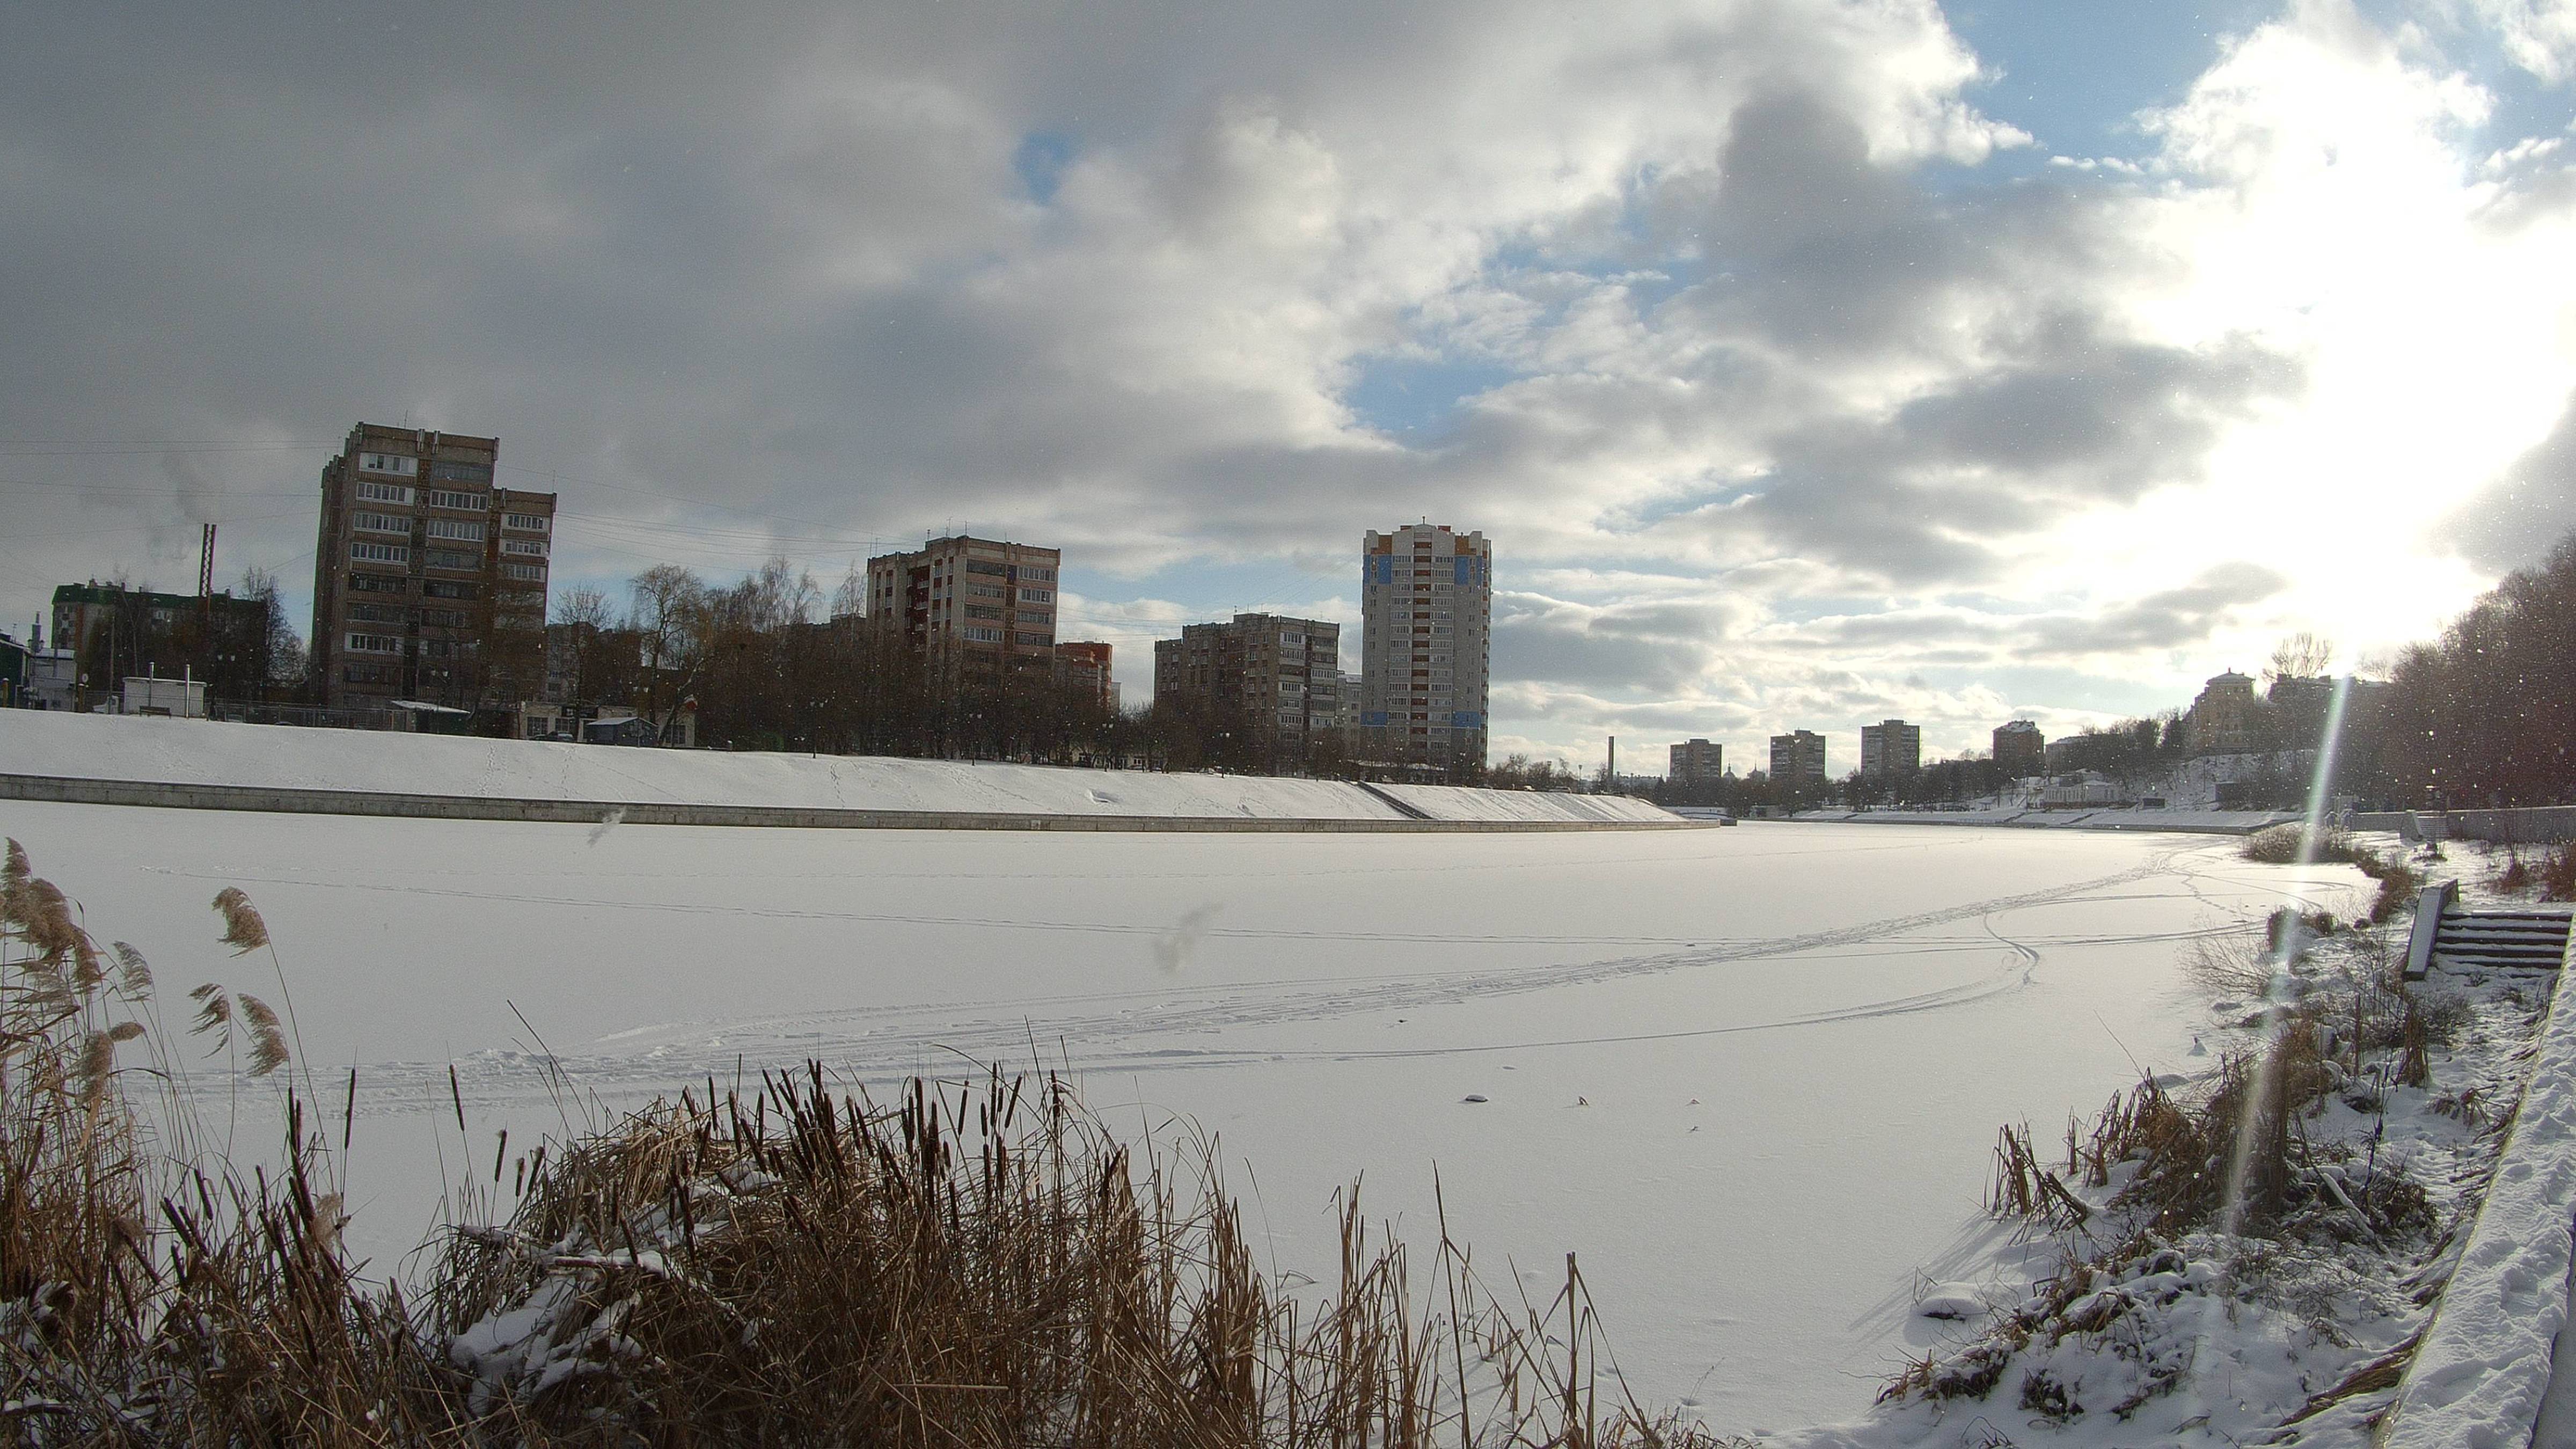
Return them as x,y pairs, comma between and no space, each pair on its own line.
429,582
1426,611
1890,748
1082,665
1283,675
2021,751
1696,762
969,605
1798,758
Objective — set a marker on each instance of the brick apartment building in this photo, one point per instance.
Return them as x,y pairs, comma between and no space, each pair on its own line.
970,606
429,581
1890,748
1798,759
1696,762
1282,674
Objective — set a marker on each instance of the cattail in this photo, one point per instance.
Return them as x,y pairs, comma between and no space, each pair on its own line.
132,975
267,1038
13,885
98,1060
243,929
214,1013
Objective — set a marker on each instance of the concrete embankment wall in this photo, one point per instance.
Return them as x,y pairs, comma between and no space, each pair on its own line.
2186,822
591,812
2538,825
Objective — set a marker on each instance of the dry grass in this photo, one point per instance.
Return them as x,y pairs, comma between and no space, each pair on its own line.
2280,844
966,1267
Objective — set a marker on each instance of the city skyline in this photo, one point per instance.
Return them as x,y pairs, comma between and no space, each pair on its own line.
1983,362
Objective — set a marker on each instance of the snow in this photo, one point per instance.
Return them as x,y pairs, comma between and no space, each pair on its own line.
1794,1042
196,752
2484,1368
1450,802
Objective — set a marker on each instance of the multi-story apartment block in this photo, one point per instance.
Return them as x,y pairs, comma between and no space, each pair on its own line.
1798,759
1426,611
1082,665
1890,748
1696,762
429,582
970,606
2021,751
1282,675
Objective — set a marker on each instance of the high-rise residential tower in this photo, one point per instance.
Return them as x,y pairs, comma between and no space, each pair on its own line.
970,605
1696,762
1890,748
1426,608
1798,759
429,582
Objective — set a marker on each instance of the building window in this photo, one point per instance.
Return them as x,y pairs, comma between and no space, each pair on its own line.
980,611
453,471
1037,596
379,584
380,523
383,493
443,589
394,463
981,635
375,644
533,547
987,591
393,553
368,674
532,573
443,498
526,522
1037,620
448,558
986,566
1039,576
446,618
375,614
467,530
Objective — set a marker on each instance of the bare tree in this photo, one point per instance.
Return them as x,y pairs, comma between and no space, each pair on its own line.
672,620
2301,656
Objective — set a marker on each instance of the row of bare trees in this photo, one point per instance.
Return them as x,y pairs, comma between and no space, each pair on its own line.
2486,715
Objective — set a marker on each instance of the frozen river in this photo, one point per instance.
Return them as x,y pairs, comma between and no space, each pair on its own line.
1752,1077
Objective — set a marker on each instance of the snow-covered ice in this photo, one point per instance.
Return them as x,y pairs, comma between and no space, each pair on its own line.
1795,1041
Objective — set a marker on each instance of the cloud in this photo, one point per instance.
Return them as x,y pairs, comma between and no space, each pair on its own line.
1765,342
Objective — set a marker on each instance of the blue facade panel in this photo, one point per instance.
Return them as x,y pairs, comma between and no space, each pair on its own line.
1373,717
1468,719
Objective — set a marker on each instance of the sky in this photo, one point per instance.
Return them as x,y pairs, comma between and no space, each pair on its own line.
1808,362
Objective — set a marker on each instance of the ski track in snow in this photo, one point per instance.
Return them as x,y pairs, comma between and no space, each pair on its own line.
1148,1029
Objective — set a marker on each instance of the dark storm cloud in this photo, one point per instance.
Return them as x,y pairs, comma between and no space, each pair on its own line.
2514,521
1661,645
